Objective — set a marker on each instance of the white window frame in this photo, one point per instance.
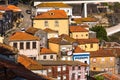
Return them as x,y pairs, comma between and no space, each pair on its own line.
59,68
64,68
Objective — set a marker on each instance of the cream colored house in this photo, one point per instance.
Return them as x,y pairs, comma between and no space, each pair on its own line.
54,19
27,44
47,54
91,44
51,33
78,32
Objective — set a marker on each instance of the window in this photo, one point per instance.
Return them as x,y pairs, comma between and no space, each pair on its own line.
59,68
44,57
34,58
79,67
46,23
78,76
94,60
34,45
51,56
58,78
21,45
86,34
103,59
64,68
64,77
73,76
85,62
76,36
111,59
15,45
73,68
27,45
91,45
94,68
56,24
49,70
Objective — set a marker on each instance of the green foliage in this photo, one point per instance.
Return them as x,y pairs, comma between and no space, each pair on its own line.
99,77
101,33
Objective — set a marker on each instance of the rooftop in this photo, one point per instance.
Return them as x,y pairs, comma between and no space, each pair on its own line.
102,53
48,30
32,30
7,50
52,14
58,63
88,19
29,63
78,50
85,41
59,41
47,51
22,36
77,29
54,5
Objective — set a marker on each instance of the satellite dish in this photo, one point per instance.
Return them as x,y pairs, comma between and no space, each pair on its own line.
69,53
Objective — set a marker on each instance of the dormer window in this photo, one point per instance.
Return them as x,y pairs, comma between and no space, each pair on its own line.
51,13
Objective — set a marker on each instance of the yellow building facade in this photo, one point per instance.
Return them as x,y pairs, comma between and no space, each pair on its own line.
103,64
80,35
55,19
103,60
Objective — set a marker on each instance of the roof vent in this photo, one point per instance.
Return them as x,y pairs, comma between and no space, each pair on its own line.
51,13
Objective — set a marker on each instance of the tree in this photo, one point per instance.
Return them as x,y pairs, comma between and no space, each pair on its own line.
101,33
99,77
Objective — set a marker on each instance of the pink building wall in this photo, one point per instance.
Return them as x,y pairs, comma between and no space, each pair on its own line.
76,71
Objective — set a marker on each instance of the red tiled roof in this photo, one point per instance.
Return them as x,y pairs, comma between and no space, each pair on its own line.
85,41
78,50
6,49
52,14
102,53
21,36
48,30
53,4
77,29
47,51
29,63
14,8
18,69
10,7
32,30
88,19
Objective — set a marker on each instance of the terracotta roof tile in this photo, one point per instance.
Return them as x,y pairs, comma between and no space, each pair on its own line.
52,14
59,41
77,29
18,69
60,62
85,41
6,49
29,63
10,7
20,36
32,30
53,4
47,51
68,38
88,19
48,30
14,8
102,53
78,50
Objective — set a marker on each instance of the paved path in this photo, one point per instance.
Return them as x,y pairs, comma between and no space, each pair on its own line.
113,29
